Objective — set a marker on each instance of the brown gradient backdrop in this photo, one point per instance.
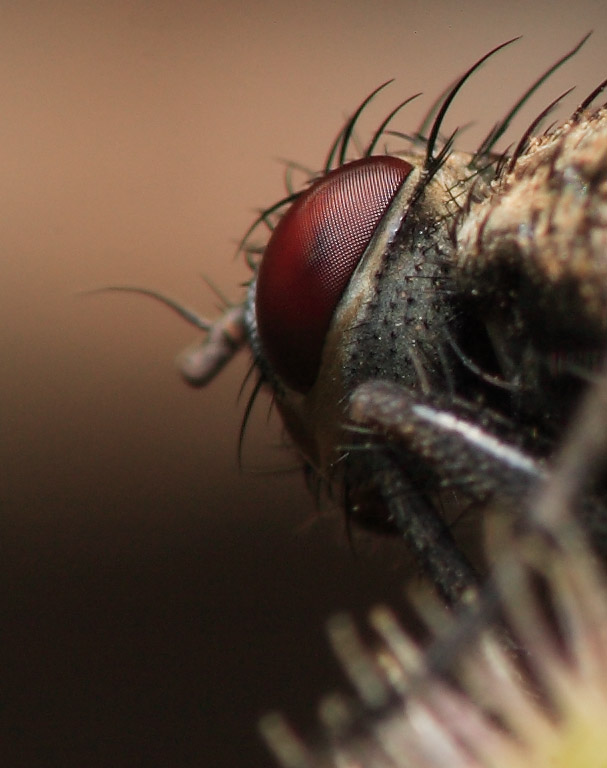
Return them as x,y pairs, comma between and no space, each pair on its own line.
157,600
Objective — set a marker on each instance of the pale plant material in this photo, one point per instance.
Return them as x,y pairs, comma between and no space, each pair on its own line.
472,699
484,711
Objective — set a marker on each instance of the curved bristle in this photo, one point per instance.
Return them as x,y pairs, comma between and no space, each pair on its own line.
263,218
436,126
500,128
382,127
247,413
340,146
588,101
188,315
524,140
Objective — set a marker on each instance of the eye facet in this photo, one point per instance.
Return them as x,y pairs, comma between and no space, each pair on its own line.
311,257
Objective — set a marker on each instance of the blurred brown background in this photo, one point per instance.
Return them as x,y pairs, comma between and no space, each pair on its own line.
156,599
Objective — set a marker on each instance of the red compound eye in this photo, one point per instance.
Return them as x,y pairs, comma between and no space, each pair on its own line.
311,257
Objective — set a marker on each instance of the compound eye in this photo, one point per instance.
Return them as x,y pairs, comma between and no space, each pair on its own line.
311,257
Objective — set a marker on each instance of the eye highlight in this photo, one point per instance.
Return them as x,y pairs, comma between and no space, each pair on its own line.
311,257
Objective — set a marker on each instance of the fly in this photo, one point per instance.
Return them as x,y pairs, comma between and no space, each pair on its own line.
423,318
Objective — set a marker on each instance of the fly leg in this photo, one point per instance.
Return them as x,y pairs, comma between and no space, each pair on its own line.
426,534
424,448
